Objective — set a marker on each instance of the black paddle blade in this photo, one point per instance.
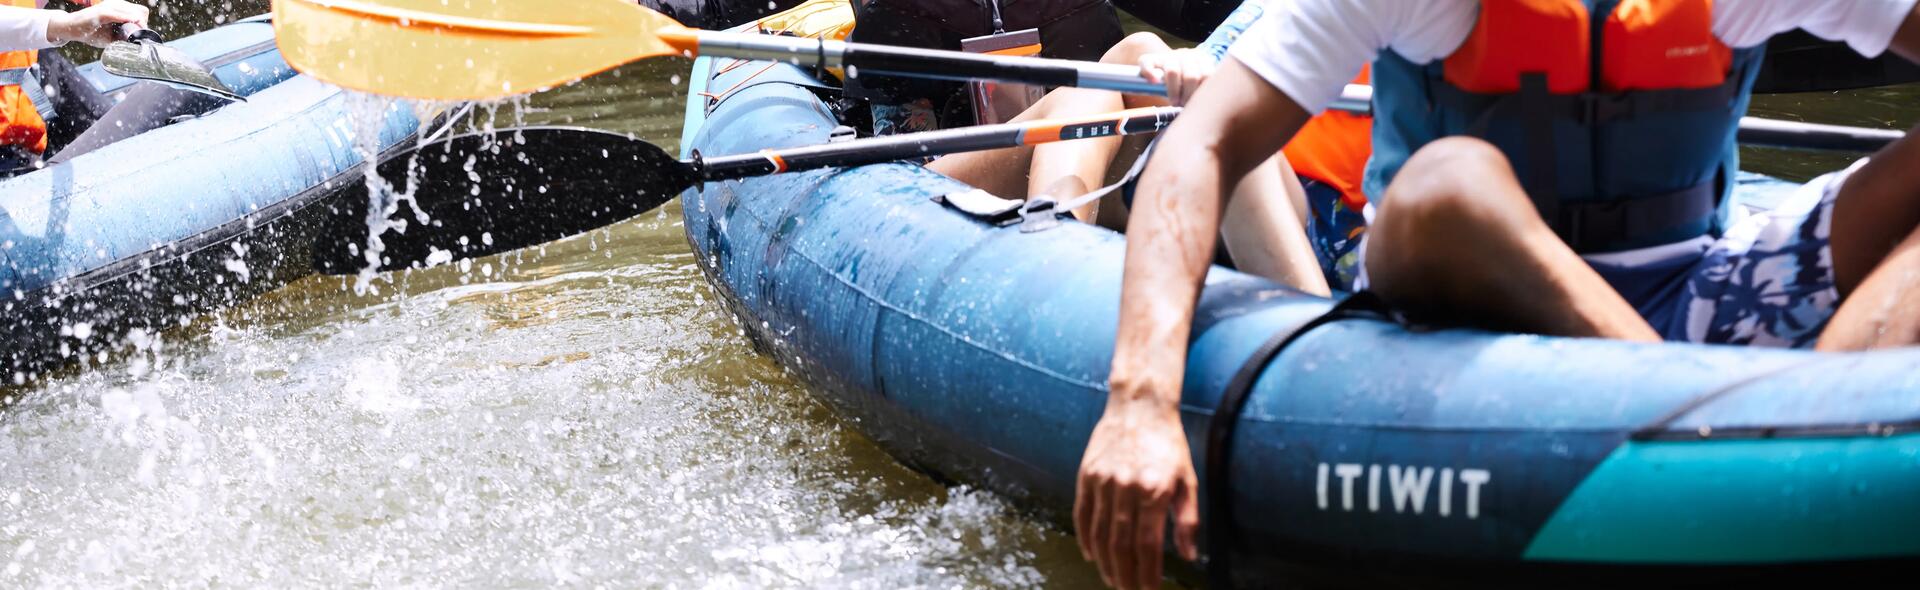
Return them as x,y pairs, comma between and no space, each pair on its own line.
485,193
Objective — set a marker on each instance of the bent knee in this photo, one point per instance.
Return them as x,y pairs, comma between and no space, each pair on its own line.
1458,158
1454,180
1129,50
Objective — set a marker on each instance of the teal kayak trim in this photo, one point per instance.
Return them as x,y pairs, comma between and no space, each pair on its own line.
1837,499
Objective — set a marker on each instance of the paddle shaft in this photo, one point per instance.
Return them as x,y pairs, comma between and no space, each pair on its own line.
863,58
1358,99
937,64
932,143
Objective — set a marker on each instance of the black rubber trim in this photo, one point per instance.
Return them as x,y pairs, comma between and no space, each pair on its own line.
219,235
1217,487
1662,429
239,55
1857,430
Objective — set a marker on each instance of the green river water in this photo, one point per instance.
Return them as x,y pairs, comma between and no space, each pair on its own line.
580,413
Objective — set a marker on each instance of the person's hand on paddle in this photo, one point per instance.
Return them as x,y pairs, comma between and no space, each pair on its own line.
1181,70
95,25
1136,472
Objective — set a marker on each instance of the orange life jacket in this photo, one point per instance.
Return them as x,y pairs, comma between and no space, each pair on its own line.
1332,148
1648,45
20,123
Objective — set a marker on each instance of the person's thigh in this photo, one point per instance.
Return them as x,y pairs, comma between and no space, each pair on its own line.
1001,172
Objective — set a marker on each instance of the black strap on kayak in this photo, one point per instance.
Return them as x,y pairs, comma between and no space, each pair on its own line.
1217,487
1035,215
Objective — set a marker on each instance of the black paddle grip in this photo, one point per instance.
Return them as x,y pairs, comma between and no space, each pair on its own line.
919,63
133,32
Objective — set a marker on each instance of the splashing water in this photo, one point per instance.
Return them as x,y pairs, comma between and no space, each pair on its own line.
576,413
575,419
383,199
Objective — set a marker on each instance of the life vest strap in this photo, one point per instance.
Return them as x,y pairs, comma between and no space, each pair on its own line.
1591,108
1637,223
1537,111
30,84
1632,222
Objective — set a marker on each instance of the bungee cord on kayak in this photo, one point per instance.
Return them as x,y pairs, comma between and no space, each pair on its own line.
1004,293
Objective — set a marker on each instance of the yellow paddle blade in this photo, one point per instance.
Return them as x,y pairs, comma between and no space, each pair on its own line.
465,49
813,19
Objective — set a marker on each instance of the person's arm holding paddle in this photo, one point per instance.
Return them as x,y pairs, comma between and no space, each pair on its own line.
33,28
95,25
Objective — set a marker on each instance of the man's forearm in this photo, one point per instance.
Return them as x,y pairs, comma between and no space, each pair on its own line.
1234,122
1170,241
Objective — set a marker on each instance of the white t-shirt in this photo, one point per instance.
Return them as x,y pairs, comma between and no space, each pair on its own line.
24,28
1309,49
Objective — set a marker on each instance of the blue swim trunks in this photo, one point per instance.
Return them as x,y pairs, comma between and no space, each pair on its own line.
1768,281
1335,231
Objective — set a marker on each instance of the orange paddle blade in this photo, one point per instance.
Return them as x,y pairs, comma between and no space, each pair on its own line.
465,49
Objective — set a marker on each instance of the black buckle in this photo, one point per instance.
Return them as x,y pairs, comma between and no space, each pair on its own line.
1597,108
1038,215
1570,227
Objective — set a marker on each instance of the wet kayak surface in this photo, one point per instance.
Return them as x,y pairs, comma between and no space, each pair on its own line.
582,413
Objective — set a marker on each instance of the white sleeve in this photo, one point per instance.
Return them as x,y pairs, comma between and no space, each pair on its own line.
1866,25
23,28
1309,49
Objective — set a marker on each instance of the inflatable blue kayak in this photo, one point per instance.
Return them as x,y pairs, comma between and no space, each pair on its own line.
145,232
980,353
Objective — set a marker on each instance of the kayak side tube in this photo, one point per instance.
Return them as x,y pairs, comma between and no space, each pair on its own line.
144,233
980,354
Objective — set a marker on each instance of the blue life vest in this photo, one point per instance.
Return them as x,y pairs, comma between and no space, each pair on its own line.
1614,161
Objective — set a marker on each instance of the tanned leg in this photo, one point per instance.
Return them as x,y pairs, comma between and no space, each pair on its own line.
1064,169
1456,237
1068,169
1264,232
1001,172
1876,253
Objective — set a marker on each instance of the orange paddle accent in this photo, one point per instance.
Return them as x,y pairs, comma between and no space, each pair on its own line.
1052,130
1023,50
684,39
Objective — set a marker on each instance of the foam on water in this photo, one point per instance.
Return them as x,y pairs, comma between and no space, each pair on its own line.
576,418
